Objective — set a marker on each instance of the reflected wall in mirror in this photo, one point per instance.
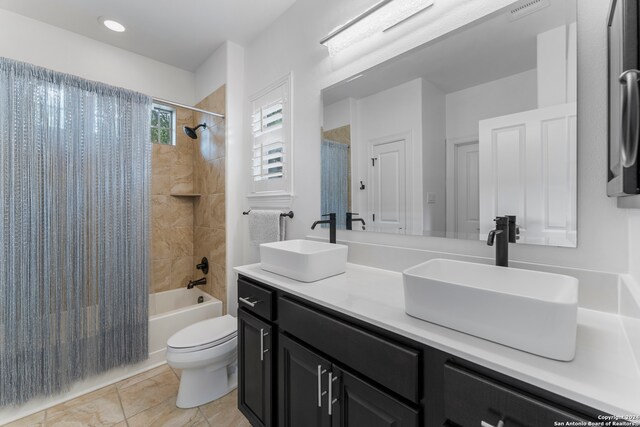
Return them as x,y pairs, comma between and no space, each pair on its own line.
477,124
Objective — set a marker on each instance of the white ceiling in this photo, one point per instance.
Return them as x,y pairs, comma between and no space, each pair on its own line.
482,52
183,33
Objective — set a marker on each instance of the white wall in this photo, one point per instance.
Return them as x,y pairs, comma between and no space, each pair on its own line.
390,113
32,41
434,157
552,67
291,44
337,114
508,95
235,162
212,73
634,244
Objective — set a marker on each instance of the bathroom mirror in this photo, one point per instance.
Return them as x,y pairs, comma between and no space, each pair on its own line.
476,124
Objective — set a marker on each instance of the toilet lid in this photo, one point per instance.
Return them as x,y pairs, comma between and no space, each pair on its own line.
205,334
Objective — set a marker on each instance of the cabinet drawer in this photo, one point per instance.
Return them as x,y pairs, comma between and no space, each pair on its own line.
392,365
256,299
470,399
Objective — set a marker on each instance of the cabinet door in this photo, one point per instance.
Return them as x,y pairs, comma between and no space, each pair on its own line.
302,383
255,369
356,404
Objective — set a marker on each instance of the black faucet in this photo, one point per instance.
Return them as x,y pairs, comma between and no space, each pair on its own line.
193,283
332,226
351,220
502,245
514,229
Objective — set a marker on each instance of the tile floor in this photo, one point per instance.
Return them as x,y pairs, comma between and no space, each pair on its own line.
144,400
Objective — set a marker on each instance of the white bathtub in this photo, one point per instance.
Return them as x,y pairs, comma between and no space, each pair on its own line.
171,311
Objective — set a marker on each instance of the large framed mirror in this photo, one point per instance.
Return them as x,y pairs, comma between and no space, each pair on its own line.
477,124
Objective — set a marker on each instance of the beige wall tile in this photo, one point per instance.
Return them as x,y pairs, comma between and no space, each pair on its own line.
181,241
199,210
216,210
182,179
160,243
219,142
163,214
160,275
217,247
161,183
209,211
218,178
185,230
163,156
218,282
183,211
210,242
181,271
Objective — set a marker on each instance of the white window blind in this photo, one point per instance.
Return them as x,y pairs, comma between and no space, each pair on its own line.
271,139
268,146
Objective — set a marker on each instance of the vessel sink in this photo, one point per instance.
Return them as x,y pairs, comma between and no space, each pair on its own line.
304,260
528,310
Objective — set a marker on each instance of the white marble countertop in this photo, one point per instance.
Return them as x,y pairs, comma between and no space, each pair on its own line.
603,375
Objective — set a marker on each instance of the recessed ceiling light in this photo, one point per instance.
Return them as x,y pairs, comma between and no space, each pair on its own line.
111,24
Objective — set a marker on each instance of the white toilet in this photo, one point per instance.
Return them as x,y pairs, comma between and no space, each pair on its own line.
207,354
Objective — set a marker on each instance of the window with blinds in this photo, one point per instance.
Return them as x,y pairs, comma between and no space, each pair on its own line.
271,138
268,146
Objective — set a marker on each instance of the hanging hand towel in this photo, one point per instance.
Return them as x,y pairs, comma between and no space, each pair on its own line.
265,226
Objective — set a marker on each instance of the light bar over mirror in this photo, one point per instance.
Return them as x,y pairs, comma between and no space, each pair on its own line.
378,18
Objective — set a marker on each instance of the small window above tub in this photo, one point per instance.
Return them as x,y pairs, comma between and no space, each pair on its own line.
163,125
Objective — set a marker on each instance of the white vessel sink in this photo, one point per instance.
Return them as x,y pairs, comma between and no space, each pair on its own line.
528,310
303,260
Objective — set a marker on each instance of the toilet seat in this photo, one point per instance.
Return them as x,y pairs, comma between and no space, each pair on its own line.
203,335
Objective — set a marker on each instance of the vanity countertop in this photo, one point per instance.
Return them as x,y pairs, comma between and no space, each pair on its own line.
603,375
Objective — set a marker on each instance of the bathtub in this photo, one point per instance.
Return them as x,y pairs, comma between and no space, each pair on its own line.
170,311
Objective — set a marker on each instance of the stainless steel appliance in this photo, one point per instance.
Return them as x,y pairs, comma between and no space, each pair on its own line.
624,99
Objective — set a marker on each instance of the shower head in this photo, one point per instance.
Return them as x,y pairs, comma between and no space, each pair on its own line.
191,132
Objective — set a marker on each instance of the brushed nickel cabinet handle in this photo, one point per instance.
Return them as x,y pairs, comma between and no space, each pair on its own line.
486,424
331,400
262,349
248,302
320,392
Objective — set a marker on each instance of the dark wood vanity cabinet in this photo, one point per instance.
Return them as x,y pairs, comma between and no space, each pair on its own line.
255,369
320,368
302,386
314,392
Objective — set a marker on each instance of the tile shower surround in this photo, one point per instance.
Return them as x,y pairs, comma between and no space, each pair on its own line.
185,229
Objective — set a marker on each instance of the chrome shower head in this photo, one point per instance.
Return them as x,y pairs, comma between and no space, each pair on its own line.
191,132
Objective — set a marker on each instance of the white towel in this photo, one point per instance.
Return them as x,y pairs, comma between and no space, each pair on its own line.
266,226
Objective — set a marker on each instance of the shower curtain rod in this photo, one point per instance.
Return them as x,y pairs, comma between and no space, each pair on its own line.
175,104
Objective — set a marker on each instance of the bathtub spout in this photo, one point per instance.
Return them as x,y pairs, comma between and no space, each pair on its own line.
193,283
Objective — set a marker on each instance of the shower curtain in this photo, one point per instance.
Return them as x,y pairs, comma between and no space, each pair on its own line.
335,180
74,229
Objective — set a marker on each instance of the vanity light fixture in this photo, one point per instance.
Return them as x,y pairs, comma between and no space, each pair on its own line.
111,24
380,17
